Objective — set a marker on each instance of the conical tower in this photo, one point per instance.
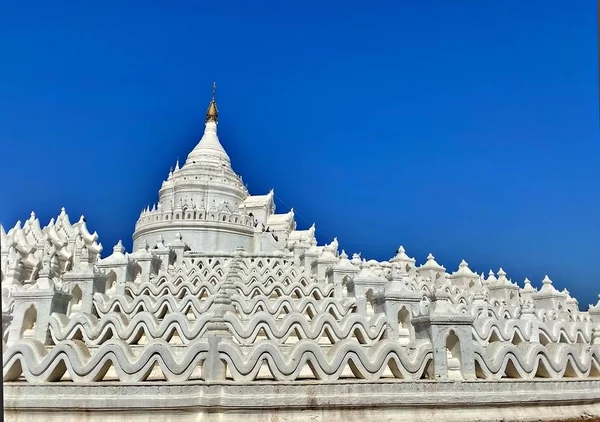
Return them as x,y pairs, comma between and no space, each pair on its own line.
201,200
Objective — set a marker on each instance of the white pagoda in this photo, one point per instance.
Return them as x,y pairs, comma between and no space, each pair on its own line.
224,310
206,202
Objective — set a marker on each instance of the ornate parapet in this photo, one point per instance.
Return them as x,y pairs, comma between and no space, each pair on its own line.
400,305
503,291
325,263
83,285
433,271
148,261
406,264
548,297
33,307
309,259
197,318
343,272
451,339
363,287
156,218
464,278
298,250
594,312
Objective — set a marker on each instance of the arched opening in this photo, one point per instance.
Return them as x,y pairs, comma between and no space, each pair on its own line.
453,356
345,286
176,216
136,272
76,300
369,304
403,326
29,323
111,282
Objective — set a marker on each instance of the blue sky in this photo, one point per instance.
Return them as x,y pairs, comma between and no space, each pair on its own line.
465,129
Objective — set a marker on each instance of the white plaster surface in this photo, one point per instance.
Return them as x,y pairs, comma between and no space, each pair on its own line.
398,401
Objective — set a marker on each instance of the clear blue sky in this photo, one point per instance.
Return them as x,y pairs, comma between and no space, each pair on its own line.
465,129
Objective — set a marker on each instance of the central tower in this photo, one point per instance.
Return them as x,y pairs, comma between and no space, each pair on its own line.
202,202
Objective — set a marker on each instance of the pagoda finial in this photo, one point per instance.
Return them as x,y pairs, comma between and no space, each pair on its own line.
212,113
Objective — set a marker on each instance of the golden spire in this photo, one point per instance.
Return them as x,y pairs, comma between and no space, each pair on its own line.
212,113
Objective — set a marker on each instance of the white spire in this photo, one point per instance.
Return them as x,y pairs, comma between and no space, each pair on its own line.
209,149
431,264
528,287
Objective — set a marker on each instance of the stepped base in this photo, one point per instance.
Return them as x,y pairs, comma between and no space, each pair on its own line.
519,400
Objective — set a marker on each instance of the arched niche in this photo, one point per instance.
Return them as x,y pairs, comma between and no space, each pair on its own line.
453,355
28,325
76,299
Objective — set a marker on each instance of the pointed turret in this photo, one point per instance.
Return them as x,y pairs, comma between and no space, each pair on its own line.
209,149
204,191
